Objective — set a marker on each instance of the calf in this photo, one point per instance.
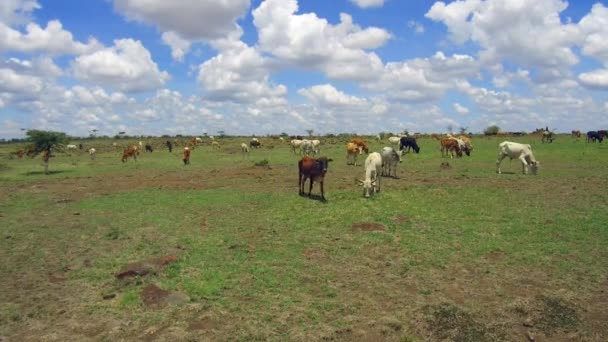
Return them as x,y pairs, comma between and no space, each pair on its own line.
186,156
244,150
523,152
216,145
149,148
449,146
408,143
92,153
390,160
373,168
315,169
352,150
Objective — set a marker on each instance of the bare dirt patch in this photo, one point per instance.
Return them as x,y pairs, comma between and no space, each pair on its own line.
313,253
143,268
368,227
401,219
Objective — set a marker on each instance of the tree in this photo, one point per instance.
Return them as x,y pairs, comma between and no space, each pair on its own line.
450,128
463,130
284,134
221,133
491,130
43,142
310,132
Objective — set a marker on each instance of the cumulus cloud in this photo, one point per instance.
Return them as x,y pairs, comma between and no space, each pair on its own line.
368,3
328,95
416,26
527,32
52,39
17,11
305,40
179,46
12,82
460,109
595,79
239,73
126,66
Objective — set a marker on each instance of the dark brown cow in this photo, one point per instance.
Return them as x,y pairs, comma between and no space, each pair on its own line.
315,169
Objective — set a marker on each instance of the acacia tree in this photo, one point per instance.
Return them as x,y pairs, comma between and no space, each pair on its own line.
43,142
310,132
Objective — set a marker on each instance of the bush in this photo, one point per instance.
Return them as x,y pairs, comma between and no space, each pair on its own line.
491,130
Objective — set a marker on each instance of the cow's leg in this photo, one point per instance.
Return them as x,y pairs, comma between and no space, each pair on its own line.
322,190
300,187
501,156
524,164
310,187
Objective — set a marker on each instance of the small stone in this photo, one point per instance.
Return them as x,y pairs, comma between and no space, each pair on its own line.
528,323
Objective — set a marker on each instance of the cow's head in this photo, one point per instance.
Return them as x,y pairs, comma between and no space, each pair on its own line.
323,164
369,186
416,148
534,167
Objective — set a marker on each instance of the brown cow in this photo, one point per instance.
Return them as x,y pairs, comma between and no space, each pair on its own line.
361,144
186,156
450,145
351,153
315,169
131,151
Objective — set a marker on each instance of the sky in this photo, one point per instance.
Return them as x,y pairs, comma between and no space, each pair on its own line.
253,67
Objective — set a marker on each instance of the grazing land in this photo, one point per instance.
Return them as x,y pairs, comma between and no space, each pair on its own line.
224,249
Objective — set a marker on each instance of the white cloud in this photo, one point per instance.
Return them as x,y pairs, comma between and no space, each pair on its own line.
179,46
595,79
191,20
418,27
12,82
595,28
328,95
368,3
127,66
17,11
305,40
53,39
460,109
527,32
240,74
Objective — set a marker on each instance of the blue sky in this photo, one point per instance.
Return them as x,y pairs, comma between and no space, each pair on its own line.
259,67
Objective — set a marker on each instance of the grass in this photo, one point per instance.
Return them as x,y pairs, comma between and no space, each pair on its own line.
257,261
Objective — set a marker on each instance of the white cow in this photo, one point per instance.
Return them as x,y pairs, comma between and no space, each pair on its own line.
295,144
373,168
378,137
71,147
315,145
245,149
523,152
199,140
394,140
307,147
211,137
141,146
390,160
92,153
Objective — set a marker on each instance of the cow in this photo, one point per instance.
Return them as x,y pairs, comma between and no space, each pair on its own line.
255,143
71,147
394,140
449,146
361,144
592,136
92,153
373,168
313,169
547,137
523,152
80,147
141,145
199,140
307,147
407,144
352,150
390,160
316,144
130,151
216,145
296,144
149,148
378,137
575,134
244,150
186,155
169,145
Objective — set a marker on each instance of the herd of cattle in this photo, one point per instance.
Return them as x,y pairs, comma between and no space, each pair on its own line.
376,164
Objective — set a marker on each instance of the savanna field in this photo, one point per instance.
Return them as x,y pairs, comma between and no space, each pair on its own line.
224,249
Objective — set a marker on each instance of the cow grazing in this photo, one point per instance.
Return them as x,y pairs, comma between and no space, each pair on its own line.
130,151
315,169
316,145
186,156
547,137
361,144
216,145
71,147
592,136
450,146
394,140
408,143
575,134
373,169
523,152
141,145
92,153
296,144
390,160
244,150
149,148
352,150
199,140
307,147
169,145
255,143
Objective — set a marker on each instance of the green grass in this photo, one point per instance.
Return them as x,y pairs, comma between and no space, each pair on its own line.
260,262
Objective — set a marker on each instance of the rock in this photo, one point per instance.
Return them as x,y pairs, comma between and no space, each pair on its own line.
528,323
